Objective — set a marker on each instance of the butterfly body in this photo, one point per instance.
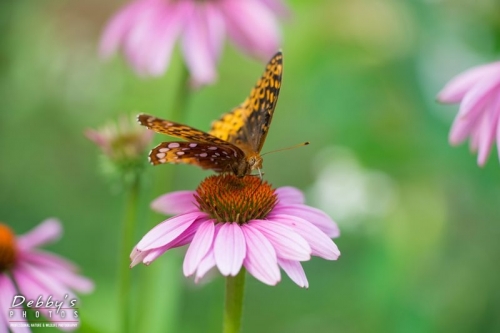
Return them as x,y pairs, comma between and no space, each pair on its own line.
235,140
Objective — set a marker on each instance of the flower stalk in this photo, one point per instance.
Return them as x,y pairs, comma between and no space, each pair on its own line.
129,225
233,309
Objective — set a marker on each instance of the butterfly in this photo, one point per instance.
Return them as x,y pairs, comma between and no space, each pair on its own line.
234,142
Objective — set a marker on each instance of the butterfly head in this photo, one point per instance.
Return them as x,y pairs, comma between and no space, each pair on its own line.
250,163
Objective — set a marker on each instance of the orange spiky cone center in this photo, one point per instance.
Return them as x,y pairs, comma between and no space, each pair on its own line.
7,248
227,198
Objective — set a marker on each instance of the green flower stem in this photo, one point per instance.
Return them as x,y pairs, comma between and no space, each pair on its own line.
233,309
182,97
162,315
127,244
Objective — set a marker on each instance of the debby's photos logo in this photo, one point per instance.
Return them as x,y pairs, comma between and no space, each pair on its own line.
43,312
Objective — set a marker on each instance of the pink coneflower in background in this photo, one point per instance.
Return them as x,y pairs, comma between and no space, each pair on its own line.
478,92
30,272
231,222
146,30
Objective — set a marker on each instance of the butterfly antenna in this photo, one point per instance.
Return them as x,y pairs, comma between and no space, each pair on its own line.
260,174
288,148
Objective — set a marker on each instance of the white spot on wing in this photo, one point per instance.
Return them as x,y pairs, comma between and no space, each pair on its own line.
203,155
163,150
160,155
180,153
173,145
212,148
192,145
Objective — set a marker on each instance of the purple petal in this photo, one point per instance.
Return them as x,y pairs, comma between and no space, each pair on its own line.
295,271
455,90
174,203
229,249
290,195
48,231
197,44
313,215
253,27
260,260
6,298
167,231
286,242
321,245
202,242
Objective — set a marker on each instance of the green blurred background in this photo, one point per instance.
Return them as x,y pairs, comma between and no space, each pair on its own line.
420,224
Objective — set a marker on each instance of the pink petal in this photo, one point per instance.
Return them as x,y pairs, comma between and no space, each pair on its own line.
321,245
260,260
6,298
290,195
253,27
47,259
278,7
313,215
148,256
455,90
478,96
48,231
166,33
117,28
229,249
61,269
197,48
286,242
205,265
139,42
174,203
167,231
202,242
487,130
295,271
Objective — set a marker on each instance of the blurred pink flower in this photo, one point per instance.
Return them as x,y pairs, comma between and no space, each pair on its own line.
122,140
27,271
146,30
478,92
231,222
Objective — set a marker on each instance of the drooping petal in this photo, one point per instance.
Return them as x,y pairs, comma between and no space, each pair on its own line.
201,244
229,249
46,259
6,298
289,195
278,7
197,48
252,26
295,271
117,28
478,97
321,245
260,260
455,90
167,30
286,242
48,231
205,265
487,130
313,215
167,231
178,202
